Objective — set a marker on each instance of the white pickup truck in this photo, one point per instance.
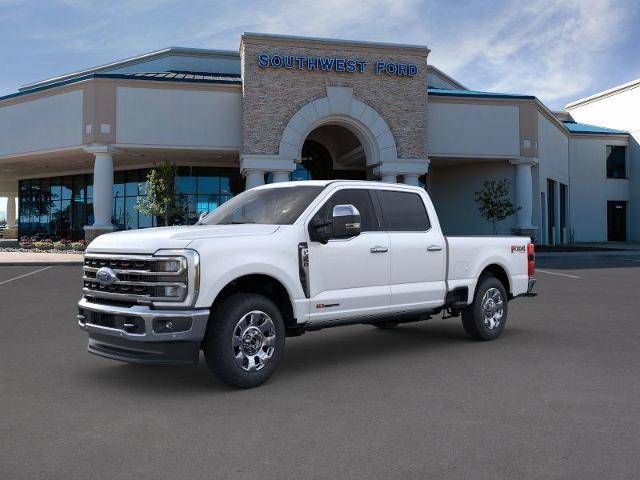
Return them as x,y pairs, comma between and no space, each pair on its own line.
286,258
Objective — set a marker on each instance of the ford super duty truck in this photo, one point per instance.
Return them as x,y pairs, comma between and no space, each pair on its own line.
286,258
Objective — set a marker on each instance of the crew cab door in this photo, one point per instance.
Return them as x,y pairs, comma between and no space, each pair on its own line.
349,277
418,260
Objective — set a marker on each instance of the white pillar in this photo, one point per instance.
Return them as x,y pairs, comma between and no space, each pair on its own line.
388,178
413,180
254,178
11,212
280,177
524,192
102,190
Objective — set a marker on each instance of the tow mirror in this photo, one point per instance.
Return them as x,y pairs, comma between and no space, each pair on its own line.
345,221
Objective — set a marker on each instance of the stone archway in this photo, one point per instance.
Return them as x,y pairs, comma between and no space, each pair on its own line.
339,107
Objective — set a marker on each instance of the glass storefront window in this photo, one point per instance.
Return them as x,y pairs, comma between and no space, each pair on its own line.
60,207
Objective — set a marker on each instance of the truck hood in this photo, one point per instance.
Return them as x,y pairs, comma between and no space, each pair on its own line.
150,240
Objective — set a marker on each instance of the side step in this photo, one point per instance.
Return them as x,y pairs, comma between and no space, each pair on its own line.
401,317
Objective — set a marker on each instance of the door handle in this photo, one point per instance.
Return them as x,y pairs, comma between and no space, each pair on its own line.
434,248
379,249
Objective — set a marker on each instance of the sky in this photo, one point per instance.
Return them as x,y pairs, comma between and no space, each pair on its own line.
557,50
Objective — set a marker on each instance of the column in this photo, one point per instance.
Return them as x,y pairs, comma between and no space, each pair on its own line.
389,178
11,212
524,195
280,176
102,191
254,165
253,178
412,180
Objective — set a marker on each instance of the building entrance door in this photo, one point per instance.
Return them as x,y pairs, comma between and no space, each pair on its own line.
617,221
333,152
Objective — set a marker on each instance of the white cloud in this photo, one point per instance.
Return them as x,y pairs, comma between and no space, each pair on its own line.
546,48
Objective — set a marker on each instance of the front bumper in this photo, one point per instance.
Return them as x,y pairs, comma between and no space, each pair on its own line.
139,334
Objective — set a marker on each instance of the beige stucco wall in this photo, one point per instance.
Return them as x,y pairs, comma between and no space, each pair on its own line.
50,122
272,96
178,117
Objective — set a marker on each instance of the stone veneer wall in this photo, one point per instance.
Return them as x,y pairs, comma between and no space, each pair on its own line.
272,96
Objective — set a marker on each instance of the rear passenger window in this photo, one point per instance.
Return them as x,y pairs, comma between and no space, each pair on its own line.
359,199
403,211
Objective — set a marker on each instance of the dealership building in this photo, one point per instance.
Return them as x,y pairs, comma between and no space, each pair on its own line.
75,149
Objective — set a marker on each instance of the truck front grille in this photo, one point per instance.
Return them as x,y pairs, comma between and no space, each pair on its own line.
135,278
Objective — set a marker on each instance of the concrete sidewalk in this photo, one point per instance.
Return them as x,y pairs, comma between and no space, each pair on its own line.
37,259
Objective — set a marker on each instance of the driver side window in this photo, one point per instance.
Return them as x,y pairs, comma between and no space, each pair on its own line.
359,198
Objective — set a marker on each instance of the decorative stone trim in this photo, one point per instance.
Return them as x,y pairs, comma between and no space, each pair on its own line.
340,107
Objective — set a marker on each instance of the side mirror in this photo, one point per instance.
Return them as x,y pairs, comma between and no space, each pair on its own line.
202,216
345,221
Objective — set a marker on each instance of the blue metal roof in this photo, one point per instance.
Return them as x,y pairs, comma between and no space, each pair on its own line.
444,92
575,127
188,77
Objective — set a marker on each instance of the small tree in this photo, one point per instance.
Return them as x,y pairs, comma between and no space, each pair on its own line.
160,200
494,202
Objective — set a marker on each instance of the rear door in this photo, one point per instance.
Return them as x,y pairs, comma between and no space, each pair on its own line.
350,277
417,252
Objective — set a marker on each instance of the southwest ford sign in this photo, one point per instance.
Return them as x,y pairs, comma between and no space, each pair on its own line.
334,64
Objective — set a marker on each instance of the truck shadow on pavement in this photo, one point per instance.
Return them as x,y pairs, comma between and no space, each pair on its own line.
310,354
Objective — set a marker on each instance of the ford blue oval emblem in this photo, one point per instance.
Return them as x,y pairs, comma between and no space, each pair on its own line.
105,276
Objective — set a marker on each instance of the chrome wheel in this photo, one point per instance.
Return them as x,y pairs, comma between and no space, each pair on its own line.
254,340
492,308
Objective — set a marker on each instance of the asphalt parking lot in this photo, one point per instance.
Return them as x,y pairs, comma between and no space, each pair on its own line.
557,396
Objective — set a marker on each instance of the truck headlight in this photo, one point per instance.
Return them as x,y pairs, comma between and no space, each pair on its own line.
180,271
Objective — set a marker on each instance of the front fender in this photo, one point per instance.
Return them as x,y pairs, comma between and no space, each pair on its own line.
213,286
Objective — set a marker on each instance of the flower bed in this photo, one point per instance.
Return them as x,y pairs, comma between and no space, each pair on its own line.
47,245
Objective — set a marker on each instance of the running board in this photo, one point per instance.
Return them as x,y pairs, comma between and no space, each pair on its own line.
401,317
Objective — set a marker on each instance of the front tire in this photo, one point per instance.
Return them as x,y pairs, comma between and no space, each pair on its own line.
486,317
245,340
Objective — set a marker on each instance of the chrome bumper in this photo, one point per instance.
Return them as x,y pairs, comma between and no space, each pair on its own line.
131,336
198,319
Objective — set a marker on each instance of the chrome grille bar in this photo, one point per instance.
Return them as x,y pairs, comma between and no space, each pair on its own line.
139,280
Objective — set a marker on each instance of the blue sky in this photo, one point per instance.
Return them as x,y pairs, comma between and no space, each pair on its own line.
557,50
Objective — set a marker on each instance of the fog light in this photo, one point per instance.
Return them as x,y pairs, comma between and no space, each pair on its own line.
171,325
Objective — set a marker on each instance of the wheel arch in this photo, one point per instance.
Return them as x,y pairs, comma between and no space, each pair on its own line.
262,284
498,271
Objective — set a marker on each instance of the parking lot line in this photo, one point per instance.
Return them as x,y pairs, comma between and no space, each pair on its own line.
25,275
556,273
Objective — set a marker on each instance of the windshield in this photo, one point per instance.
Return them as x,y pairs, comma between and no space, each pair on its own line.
272,206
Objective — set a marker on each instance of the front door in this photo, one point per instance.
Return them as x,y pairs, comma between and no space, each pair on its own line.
350,277
617,221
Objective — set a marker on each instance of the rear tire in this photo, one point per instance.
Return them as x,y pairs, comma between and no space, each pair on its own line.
244,341
486,317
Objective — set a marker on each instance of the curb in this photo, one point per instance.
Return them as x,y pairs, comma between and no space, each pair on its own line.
617,253
41,264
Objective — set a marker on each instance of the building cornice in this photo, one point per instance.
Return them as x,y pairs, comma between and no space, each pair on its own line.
604,94
311,42
120,80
